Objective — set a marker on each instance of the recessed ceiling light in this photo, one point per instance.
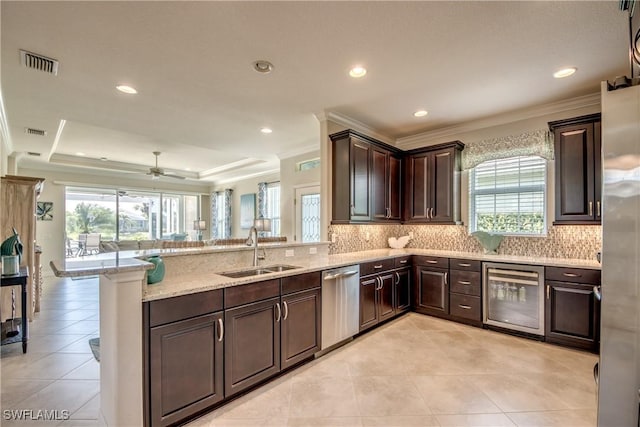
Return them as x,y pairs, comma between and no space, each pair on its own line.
127,89
565,72
357,71
104,159
266,130
263,66
79,154
187,169
421,113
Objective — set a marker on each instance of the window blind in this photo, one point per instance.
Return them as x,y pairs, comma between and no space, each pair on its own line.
507,196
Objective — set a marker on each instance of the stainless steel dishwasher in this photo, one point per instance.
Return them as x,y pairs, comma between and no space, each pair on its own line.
340,305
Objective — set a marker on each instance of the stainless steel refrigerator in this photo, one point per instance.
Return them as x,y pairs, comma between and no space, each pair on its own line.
619,382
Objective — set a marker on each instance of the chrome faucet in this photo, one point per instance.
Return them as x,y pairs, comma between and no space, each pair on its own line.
254,241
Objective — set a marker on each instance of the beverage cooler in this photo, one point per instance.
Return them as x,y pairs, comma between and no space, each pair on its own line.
514,297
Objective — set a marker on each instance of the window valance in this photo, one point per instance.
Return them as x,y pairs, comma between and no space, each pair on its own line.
536,143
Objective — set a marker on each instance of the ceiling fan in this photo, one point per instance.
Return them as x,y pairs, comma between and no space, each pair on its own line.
156,172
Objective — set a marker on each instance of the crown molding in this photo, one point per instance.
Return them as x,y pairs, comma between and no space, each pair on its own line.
350,123
246,176
502,119
230,166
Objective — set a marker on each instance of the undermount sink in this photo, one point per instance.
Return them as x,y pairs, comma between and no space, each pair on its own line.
256,271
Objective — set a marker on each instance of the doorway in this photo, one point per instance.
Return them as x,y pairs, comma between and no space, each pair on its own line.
307,214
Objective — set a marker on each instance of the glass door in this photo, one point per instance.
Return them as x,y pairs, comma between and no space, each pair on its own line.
513,297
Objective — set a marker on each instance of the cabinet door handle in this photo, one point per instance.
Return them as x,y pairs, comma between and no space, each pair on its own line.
598,210
381,283
377,267
464,264
548,291
431,213
590,208
464,282
221,325
397,278
279,312
430,261
428,210
286,310
596,292
351,209
466,307
571,274
445,278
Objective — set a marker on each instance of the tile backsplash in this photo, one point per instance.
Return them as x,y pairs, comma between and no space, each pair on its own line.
566,241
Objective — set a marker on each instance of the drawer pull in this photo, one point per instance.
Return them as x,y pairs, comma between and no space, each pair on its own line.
403,261
466,307
464,264
377,266
430,261
464,282
571,275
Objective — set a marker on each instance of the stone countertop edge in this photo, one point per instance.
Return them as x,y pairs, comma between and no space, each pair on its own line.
172,287
95,267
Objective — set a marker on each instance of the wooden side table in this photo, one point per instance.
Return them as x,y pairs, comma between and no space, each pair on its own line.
19,279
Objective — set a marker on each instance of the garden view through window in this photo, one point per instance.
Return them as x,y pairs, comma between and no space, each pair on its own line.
507,196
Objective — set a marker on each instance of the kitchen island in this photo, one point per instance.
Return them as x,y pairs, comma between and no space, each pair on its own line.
123,293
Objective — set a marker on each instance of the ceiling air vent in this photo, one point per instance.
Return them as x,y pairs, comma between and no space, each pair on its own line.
39,62
32,131
33,153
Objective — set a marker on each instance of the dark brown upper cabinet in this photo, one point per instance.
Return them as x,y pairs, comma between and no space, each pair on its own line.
432,189
366,179
578,170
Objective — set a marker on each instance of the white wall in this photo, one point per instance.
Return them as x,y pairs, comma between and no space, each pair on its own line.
50,234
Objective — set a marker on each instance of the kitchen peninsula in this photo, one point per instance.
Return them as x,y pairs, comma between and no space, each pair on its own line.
125,299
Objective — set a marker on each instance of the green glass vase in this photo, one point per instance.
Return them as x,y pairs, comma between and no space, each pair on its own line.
156,274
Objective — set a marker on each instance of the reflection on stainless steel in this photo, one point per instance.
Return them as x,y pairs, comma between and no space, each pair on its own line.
619,366
340,305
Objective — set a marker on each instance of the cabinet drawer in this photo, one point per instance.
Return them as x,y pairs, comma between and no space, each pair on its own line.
184,307
300,282
465,264
464,306
244,294
431,261
403,261
575,275
465,282
373,267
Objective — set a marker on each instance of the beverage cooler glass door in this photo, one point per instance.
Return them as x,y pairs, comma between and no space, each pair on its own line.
513,297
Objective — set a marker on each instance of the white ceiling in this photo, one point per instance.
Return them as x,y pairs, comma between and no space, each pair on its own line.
202,105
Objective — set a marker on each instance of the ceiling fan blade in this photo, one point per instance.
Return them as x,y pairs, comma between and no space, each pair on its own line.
170,175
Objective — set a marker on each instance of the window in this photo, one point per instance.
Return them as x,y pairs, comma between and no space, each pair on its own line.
129,215
308,165
507,196
221,214
273,208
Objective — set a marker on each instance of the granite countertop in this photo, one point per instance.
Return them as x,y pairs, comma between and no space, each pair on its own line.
171,287
124,261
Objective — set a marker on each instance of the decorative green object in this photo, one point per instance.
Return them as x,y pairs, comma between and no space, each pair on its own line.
489,242
156,274
12,246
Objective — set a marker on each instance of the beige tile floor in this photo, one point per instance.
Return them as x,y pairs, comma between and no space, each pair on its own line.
413,371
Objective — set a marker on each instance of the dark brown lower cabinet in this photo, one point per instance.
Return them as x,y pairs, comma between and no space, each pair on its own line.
185,368
252,344
376,299
572,315
431,294
402,290
368,302
301,326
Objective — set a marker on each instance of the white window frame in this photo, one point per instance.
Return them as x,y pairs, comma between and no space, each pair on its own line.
515,189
